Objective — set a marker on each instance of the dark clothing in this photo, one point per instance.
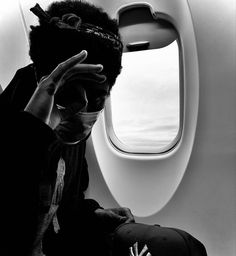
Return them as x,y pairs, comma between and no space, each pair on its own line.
30,151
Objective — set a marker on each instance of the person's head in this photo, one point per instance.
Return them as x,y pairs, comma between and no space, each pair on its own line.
51,45
65,29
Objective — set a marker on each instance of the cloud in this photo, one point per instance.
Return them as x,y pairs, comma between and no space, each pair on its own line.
145,99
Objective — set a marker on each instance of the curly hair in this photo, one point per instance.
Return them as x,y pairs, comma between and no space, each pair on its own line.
50,45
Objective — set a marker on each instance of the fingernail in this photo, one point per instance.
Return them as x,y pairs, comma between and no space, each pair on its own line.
100,66
84,52
103,77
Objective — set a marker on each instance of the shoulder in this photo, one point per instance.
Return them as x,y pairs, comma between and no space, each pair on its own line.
20,89
29,69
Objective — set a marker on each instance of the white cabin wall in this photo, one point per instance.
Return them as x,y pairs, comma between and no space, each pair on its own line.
111,6
211,173
13,46
204,203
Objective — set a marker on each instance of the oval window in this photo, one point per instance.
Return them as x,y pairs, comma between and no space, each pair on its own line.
145,100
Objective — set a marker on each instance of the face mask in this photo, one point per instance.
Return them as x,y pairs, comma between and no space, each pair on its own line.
77,127
76,121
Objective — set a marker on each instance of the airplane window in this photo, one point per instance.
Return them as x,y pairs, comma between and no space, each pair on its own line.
145,100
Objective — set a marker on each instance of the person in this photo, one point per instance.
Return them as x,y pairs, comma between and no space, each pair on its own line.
47,113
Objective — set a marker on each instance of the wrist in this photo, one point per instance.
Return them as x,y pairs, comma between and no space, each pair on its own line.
40,106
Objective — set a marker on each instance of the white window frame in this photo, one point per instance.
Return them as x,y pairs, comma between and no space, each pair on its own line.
137,150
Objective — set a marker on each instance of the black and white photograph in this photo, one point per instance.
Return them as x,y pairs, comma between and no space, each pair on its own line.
118,127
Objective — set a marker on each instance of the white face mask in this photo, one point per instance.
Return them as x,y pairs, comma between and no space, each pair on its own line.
76,123
77,127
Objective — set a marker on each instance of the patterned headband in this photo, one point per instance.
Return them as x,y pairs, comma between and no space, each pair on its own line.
74,22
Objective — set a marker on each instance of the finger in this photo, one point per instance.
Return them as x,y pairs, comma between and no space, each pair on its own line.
100,79
129,215
42,78
75,76
143,250
87,68
148,254
117,217
80,78
58,72
82,70
47,84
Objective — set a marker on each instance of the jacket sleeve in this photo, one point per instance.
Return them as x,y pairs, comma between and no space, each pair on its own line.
19,91
24,138
24,142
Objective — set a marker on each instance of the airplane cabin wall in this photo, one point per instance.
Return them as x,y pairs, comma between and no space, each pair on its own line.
204,203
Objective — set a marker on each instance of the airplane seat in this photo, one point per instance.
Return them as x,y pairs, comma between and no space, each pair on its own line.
161,241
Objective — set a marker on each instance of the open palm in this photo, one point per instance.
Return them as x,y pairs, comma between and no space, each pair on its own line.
42,103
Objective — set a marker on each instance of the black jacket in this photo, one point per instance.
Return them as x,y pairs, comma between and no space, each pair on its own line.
29,153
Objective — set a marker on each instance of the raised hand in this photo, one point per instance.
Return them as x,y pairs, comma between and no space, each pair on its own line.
41,103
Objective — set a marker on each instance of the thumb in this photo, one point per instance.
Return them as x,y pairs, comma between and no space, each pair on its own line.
116,217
